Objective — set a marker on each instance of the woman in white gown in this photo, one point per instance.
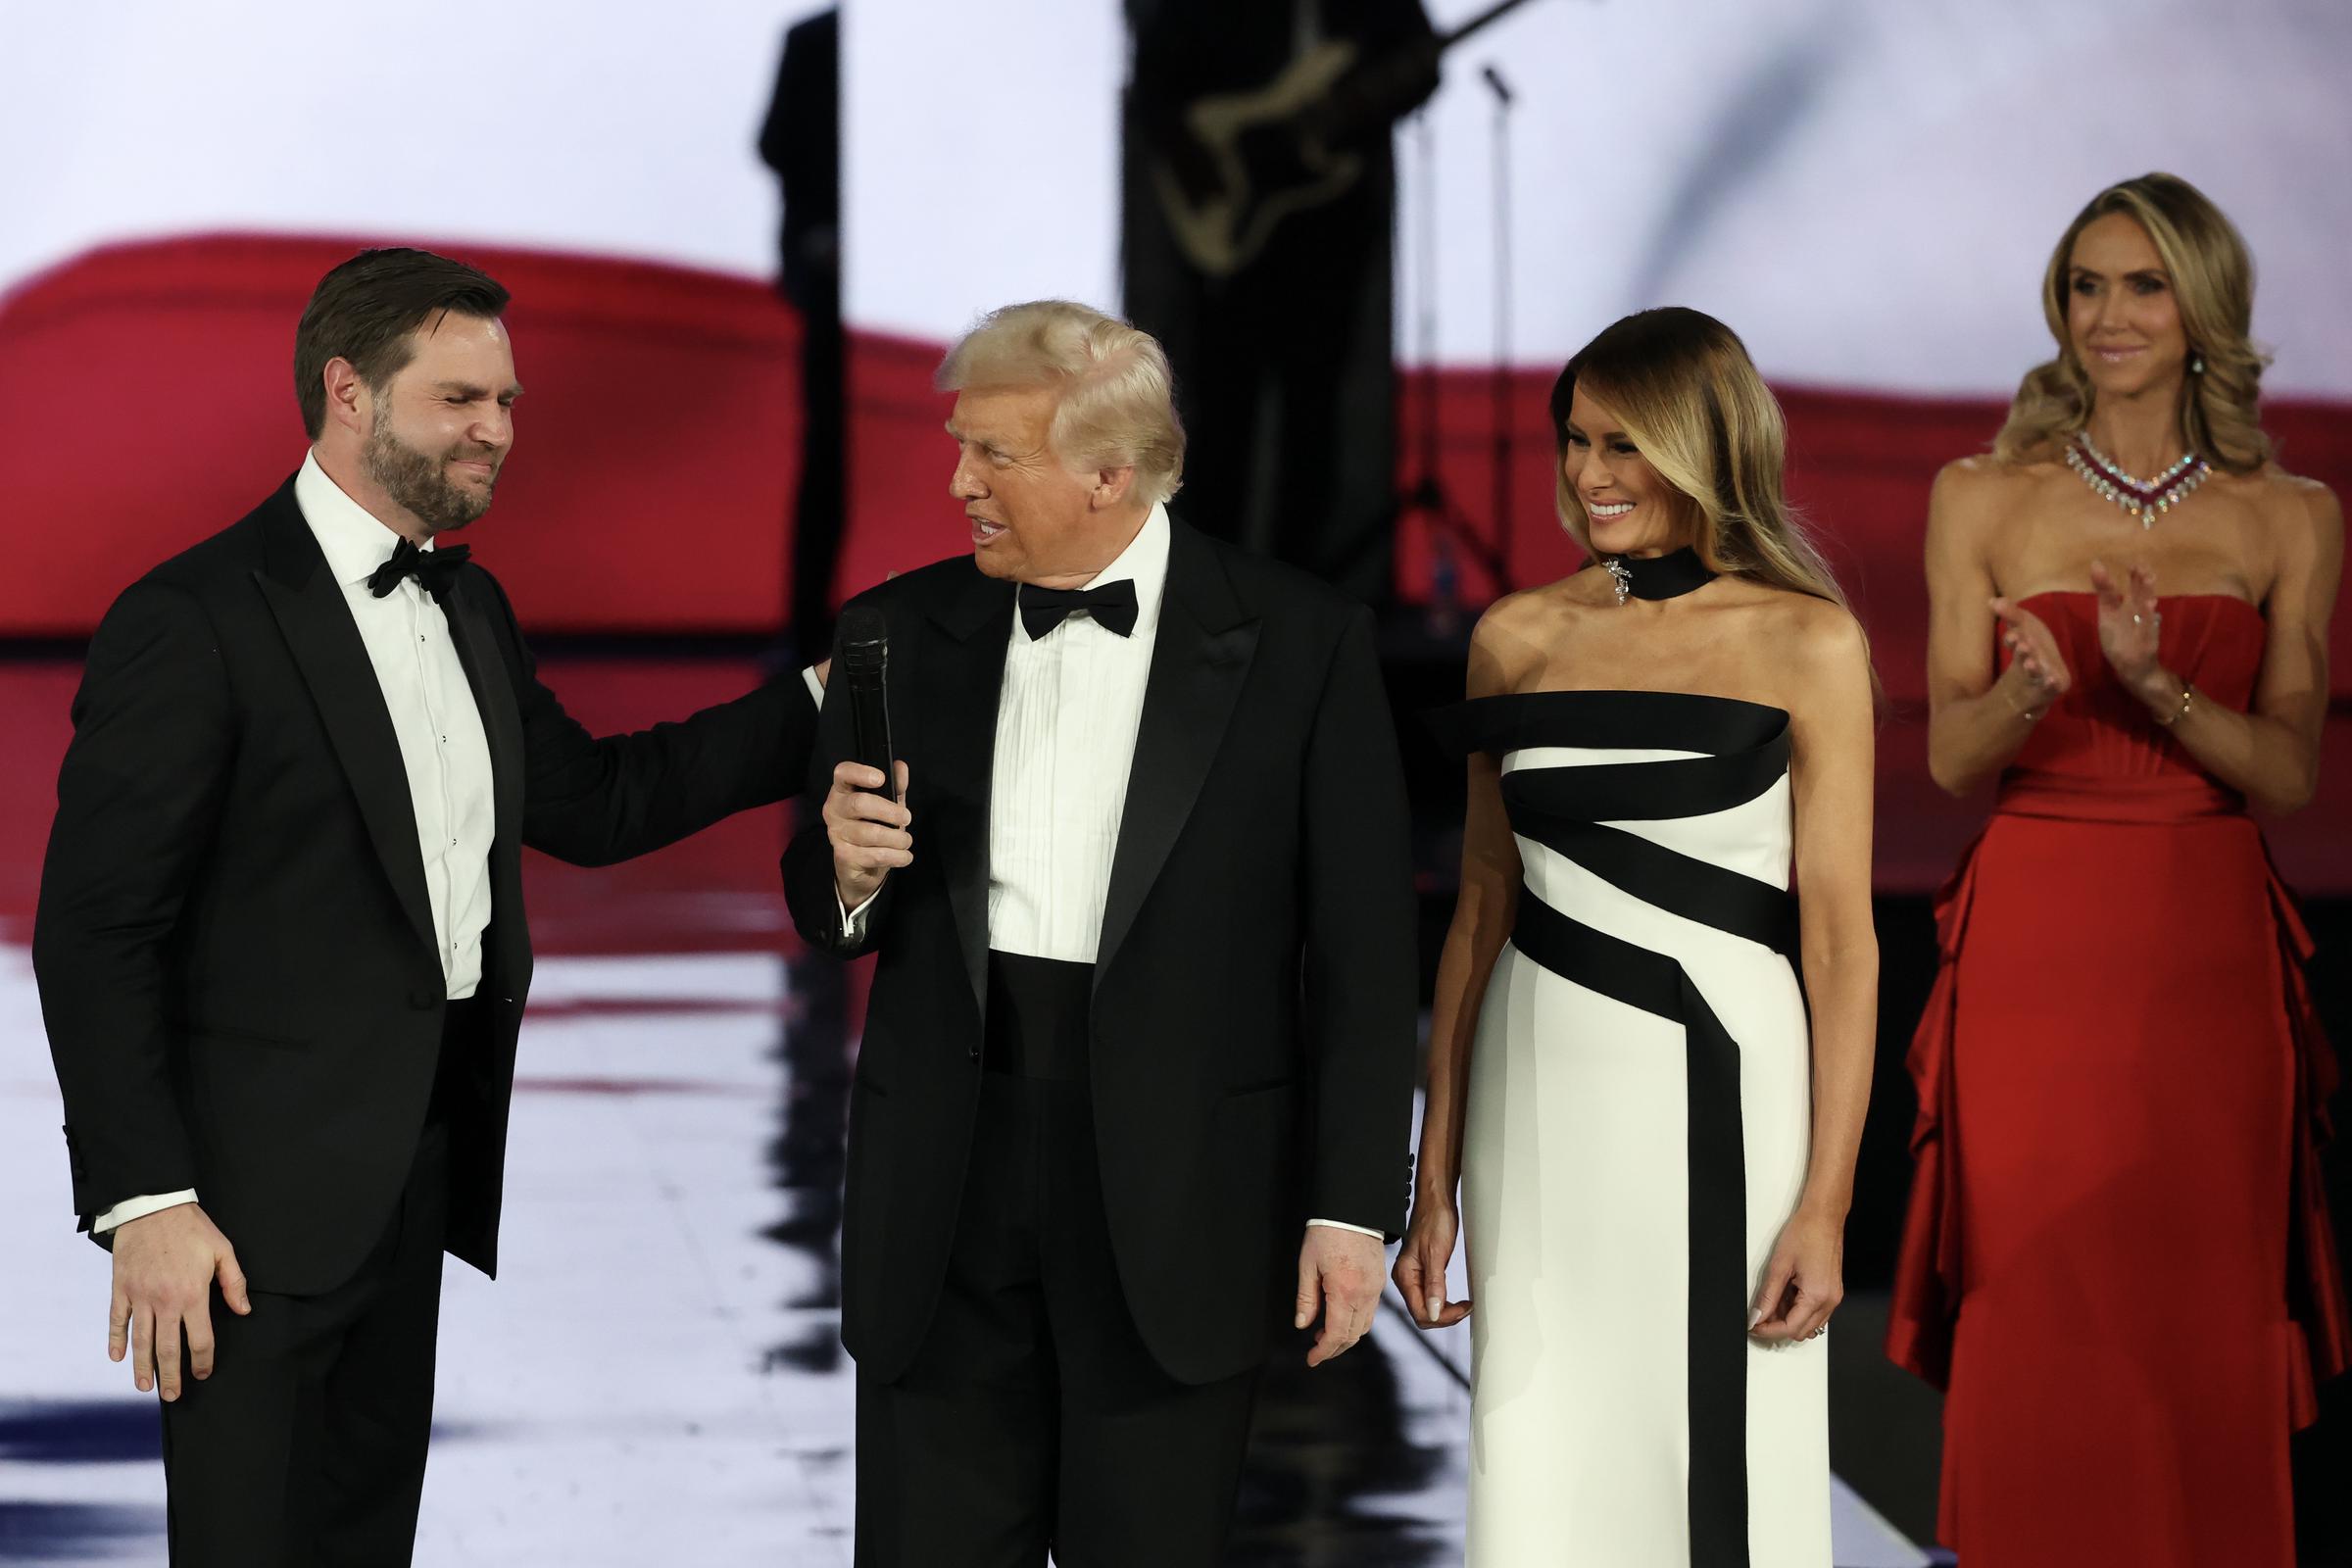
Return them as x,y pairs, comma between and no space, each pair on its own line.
1653,1140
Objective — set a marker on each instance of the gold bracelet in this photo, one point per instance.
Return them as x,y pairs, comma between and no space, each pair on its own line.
2025,713
2187,696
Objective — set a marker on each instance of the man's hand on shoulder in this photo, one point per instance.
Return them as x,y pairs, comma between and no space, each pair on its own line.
165,1265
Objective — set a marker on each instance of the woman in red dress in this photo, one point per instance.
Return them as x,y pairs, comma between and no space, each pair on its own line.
2118,1258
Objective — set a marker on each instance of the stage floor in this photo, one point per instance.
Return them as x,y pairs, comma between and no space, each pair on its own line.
656,1377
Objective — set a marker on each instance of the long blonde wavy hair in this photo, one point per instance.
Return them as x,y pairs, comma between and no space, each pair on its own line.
1694,403
2212,279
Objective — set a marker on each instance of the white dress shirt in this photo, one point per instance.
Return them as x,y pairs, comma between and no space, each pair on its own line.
1066,720
443,751
1059,788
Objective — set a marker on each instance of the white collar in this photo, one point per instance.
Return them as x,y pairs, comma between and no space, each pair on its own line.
351,537
1146,561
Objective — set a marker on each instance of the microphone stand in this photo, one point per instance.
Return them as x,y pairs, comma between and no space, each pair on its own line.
1500,386
1449,528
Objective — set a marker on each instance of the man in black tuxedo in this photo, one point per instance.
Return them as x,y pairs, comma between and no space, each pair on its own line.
281,947
1145,1009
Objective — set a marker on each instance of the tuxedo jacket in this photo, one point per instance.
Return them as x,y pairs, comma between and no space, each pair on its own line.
1252,1047
234,948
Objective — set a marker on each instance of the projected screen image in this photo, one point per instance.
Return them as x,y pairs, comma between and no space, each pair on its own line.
1867,193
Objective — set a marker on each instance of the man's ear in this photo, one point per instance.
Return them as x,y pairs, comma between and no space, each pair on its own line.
347,396
1112,487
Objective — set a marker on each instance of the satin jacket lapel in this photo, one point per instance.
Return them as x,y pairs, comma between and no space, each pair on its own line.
961,682
502,726
326,643
1205,643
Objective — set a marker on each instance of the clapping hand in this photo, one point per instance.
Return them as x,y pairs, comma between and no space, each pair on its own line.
2129,622
2034,663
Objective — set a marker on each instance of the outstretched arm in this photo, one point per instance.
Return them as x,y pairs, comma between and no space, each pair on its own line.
593,800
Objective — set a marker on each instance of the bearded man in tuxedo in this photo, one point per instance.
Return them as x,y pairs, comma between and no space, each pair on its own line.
281,944
1138,1067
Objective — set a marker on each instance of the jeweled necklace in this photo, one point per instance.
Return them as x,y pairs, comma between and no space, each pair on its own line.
2141,498
1667,576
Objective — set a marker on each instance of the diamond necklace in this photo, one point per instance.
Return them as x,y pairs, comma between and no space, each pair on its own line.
2141,498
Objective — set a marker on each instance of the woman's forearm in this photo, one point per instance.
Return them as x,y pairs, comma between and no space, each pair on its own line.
1843,985
1971,739
1473,942
2267,759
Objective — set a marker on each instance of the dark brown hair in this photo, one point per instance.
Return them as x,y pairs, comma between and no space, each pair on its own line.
365,310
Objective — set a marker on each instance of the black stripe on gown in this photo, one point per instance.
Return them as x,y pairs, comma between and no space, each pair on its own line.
1747,751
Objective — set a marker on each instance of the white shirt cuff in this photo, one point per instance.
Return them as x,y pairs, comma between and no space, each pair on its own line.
1343,1225
132,1208
816,686
853,921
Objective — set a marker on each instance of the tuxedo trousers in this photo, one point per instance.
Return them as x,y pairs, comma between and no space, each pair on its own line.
306,1447
1034,1419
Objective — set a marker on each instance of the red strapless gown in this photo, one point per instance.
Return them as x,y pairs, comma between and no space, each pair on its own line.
2118,1260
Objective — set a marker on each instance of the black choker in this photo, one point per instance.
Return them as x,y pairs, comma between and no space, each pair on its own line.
1667,576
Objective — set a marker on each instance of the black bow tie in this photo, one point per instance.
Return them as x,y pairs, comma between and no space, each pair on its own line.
435,569
1112,605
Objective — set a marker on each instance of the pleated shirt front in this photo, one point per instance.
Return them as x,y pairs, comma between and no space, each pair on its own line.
1066,722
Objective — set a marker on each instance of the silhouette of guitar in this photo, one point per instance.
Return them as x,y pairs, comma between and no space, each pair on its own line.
1248,160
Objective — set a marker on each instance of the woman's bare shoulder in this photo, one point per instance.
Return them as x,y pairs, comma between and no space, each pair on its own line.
1804,624
2295,500
1812,646
1522,632
1540,612
1983,487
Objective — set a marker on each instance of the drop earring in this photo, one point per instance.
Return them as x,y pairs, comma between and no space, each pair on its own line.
2196,365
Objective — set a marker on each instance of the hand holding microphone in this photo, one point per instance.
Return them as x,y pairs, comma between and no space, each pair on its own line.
866,823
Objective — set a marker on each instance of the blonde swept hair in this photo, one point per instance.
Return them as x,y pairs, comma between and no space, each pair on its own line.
1698,410
1118,398
2212,279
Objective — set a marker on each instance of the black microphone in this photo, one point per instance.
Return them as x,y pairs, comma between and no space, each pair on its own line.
866,667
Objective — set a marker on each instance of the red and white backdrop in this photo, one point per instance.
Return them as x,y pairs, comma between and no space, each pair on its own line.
1866,192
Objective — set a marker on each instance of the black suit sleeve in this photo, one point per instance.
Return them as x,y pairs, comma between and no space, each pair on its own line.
154,740
809,890
1360,964
593,800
